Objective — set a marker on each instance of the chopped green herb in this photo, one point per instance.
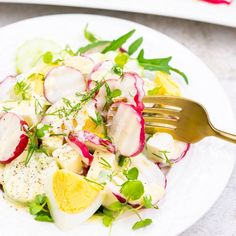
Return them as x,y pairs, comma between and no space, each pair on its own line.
105,163
142,223
165,157
159,64
117,43
117,70
123,160
147,201
121,59
107,220
6,109
98,120
115,93
39,208
132,189
22,89
116,206
40,132
132,174
47,57
135,45
88,35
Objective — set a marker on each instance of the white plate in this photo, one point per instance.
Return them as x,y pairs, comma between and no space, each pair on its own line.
188,9
193,184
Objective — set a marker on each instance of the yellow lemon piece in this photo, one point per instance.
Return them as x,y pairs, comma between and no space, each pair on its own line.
166,85
90,126
73,193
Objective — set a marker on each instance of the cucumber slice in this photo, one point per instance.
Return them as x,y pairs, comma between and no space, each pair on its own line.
28,55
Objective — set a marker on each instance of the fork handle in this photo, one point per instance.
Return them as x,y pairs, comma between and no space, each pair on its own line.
224,135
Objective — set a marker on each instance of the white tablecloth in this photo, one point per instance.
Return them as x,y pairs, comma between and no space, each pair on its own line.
215,45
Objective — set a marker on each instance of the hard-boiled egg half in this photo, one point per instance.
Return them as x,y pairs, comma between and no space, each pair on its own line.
72,198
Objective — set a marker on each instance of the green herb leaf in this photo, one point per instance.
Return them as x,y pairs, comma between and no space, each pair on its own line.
22,89
121,59
122,160
133,189
135,45
47,57
88,35
147,201
116,93
107,220
154,91
34,208
40,133
142,223
44,217
117,70
117,43
158,64
92,46
116,206
6,109
132,174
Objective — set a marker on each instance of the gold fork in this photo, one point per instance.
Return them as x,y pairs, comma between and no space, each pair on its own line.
184,119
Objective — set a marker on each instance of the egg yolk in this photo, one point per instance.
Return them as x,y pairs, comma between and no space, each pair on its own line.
90,126
166,85
72,192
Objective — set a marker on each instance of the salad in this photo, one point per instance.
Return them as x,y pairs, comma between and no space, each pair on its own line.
73,141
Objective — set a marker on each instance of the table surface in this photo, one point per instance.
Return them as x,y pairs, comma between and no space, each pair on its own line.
215,45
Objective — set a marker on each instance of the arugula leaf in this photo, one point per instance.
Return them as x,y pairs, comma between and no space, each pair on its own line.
159,64
88,35
91,46
132,174
132,189
135,45
142,223
117,43
147,201
47,57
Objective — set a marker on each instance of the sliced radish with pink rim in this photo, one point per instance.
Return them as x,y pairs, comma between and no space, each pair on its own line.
63,81
180,151
13,138
81,63
94,142
81,148
103,70
131,87
6,86
127,129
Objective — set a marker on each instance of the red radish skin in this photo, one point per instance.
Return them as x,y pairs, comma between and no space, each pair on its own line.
138,115
81,147
139,85
56,86
89,138
183,154
19,135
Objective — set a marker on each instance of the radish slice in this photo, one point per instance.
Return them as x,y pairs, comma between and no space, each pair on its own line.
93,142
6,87
132,89
127,129
101,96
12,137
63,81
81,63
81,148
103,70
163,142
